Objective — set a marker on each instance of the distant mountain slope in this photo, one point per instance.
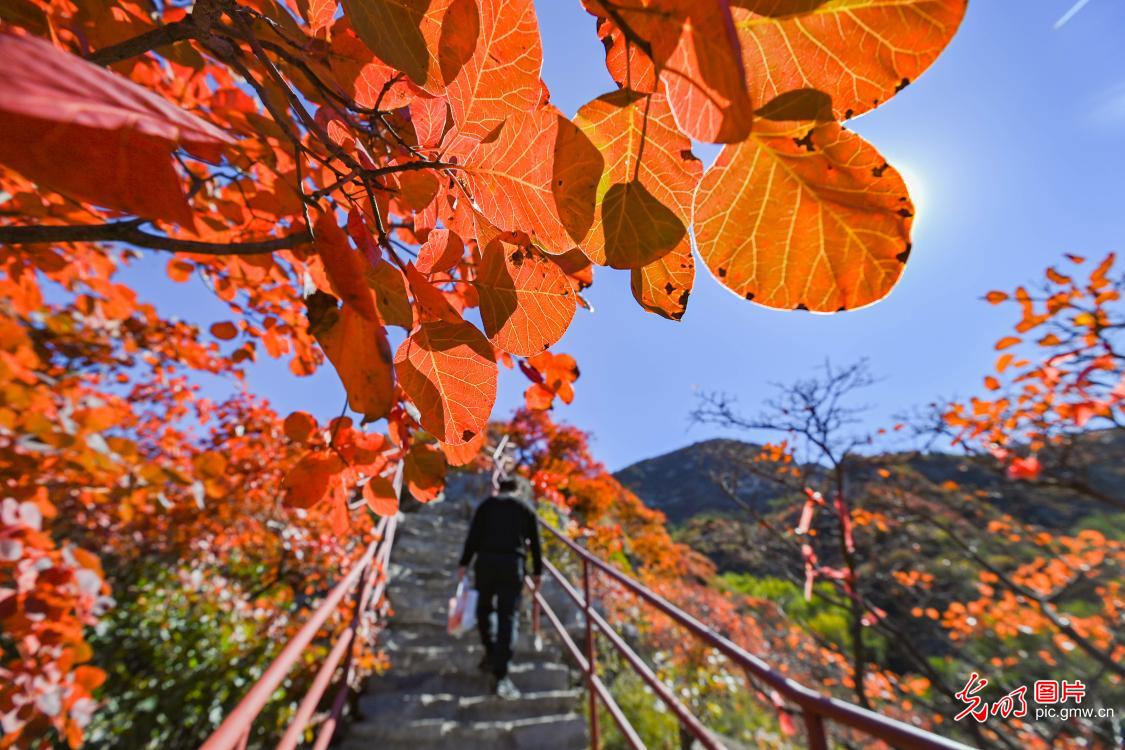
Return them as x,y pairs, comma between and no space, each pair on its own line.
683,483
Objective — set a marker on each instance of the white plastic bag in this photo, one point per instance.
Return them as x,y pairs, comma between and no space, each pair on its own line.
462,610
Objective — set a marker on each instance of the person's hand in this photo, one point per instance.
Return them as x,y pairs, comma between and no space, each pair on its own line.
461,573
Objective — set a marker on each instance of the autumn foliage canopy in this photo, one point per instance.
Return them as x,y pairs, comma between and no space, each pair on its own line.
348,177
386,185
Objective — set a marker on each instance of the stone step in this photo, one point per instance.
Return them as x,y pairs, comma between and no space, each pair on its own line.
466,708
527,676
433,696
424,553
461,658
560,732
421,635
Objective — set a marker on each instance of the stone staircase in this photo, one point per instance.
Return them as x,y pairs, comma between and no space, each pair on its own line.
433,696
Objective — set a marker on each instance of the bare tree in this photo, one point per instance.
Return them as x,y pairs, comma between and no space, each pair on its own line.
819,413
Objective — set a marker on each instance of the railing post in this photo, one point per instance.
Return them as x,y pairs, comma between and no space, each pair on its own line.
814,728
591,658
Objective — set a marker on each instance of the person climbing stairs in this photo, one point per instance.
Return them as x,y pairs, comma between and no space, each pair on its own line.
434,696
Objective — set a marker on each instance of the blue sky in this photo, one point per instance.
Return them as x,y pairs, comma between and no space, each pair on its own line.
1013,145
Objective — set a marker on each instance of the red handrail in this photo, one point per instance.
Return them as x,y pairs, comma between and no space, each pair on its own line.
234,732
815,707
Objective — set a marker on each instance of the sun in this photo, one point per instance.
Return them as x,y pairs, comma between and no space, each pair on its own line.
916,186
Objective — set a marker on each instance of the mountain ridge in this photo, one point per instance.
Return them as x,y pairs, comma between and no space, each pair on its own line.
697,479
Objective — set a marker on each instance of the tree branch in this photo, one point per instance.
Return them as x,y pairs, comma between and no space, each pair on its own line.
129,233
162,36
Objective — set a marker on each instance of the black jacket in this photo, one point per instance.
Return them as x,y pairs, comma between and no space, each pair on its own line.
504,525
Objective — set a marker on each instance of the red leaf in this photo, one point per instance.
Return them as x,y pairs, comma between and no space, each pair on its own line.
462,455
319,13
500,77
431,303
526,301
308,482
345,267
224,330
359,350
424,472
58,111
429,116
627,63
448,371
440,252
299,426
645,193
380,495
540,176
697,56
1024,468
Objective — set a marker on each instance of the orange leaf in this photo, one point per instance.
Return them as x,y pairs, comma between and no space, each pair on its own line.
380,495
448,371
318,13
424,472
430,116
462,455
308,481
663,286
210,464
58,111
406,34
1024,468
370,82
554,375
345,267
224,330
501,75
180,270
1007,342
440,252
526,301
416,189
299,426
646,188
805,217
391,299
539,175
847,56
626,62
432,304
696,52
703,74
538,397
358,349
995,298
1056,277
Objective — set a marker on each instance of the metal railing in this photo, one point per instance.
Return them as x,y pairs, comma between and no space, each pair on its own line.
369,570
814,707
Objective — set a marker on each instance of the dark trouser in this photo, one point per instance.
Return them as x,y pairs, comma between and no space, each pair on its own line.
499,580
